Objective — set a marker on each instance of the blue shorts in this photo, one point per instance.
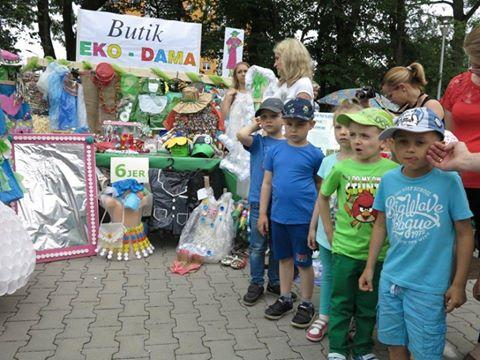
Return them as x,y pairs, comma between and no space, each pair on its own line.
411,318
290,241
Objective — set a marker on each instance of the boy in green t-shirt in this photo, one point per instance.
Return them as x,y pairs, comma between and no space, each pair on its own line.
356,181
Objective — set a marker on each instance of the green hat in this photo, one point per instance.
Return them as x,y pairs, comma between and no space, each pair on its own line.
202,146
369,117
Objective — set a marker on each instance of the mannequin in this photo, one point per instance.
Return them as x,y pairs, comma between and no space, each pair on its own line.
120,209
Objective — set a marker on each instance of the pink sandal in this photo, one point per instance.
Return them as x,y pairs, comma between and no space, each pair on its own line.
317,330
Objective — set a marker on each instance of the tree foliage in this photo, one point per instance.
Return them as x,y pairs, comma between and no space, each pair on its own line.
351,42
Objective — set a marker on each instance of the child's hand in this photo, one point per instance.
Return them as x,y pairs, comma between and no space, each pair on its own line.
262,224
476,290
455,297
365,280
312,243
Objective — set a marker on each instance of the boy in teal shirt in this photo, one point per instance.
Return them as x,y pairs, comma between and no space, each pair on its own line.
425,213
356,181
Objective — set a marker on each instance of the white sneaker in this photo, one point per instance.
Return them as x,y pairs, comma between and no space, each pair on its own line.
336,356
366,357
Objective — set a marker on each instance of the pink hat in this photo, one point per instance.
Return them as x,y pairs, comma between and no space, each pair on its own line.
9,59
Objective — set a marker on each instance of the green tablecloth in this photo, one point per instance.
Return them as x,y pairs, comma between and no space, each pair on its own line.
160,161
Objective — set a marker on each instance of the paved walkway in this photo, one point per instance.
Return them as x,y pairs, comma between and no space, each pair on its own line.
93,309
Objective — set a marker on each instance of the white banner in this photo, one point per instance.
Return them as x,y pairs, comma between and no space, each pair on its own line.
122,168
322,135
232,50
138,41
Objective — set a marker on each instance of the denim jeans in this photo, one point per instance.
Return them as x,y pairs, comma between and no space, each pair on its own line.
257,248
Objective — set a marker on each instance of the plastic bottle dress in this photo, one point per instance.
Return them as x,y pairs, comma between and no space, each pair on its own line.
17,258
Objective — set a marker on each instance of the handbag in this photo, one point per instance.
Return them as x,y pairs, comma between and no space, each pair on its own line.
110,235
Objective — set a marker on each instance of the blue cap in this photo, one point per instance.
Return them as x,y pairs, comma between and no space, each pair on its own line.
298,108
418,120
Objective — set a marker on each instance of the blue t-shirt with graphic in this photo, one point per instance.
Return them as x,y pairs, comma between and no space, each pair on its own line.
257,150
294,171
325,168
420,215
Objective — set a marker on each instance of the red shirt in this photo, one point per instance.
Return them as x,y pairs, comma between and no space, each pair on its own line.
462,99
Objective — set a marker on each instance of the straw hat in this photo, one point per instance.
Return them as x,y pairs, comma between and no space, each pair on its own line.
192,101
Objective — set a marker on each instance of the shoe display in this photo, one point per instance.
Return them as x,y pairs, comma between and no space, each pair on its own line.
254,292
304,316
278,309
316,332
275,289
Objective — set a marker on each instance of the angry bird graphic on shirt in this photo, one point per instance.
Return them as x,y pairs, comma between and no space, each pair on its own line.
362,209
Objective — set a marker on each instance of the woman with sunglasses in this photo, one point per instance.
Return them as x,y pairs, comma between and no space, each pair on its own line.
403,85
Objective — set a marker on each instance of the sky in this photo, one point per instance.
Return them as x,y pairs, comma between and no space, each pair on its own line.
31,47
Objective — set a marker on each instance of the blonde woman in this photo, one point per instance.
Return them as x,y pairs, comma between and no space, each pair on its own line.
295,70
403,85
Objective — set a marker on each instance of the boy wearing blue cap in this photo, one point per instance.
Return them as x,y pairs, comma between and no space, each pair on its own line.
424,212
291,182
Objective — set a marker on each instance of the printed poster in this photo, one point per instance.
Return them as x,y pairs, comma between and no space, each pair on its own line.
232,50
138,41
322,135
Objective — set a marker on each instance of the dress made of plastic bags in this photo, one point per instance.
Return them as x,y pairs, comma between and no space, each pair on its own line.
209,231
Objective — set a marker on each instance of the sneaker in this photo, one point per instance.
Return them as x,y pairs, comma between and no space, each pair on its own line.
316,332
365,357
275,289
304,316
254,292
278,309
335,356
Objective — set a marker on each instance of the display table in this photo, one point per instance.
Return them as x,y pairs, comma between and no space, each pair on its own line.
161,161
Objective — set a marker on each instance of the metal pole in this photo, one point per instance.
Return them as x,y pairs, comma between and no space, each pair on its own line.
444,34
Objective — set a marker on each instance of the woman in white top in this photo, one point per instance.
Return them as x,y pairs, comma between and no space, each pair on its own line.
295,70
238,88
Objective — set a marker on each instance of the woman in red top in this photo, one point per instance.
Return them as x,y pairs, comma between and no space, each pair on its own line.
462,116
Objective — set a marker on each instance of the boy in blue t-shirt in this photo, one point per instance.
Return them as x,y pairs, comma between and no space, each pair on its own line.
424,211
290,180
269,120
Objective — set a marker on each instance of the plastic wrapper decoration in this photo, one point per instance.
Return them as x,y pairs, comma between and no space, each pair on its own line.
209,231
17,258
261,82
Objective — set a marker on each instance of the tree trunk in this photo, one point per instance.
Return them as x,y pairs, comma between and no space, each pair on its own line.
44,24
70,39
398,33
459,28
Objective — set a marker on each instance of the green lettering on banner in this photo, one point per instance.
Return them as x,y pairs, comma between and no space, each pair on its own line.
85,48
120,170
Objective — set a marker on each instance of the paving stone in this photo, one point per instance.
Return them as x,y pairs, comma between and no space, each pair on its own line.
210,313
51,320
107,317
3,319
35,355
311,352
70,349
41,340
92,281
66,288
71,275
116,265
54,269
10,348
58,302
222,349
78,263
8,304
184,306
190,343
237,320
246,339
115,275
160,334
86,295
102,337
200,284
229,303
36,296
206,356
215,330
112,287
82,311
75,328
296,336
134,308
135,293
136,267
99,354
136,279
159,299
253,354
186,323
180,292
166,351
160,315
28,312
133,326
267,328
279,348
131,347
99,269
110,301
16,331
204,297
157,285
